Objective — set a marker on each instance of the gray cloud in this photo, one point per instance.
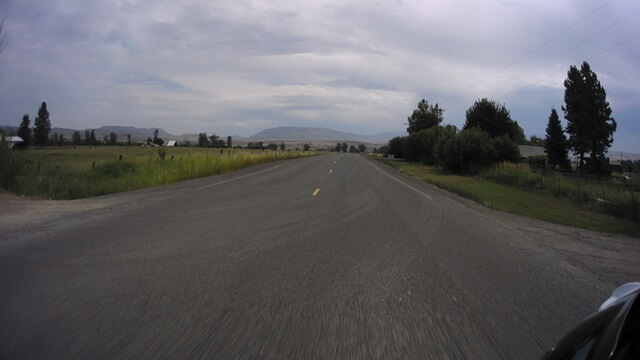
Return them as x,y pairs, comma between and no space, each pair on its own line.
238,67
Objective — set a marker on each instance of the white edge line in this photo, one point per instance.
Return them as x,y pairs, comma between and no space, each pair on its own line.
400,181
242,177
464,206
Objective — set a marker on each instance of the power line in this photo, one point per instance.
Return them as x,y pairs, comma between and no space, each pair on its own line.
539,47
559,35
556,74
582,43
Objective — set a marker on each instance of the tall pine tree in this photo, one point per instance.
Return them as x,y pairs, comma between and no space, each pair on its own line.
41,126
556,145
24,131
589,122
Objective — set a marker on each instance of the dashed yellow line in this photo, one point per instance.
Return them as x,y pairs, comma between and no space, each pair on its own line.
330,171
316,192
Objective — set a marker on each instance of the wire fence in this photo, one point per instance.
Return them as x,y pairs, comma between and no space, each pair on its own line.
615,196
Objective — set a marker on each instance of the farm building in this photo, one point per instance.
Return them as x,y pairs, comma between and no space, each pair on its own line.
527,151
615,165
171,143
13,141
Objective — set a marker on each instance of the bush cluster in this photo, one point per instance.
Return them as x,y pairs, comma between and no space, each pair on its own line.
466,151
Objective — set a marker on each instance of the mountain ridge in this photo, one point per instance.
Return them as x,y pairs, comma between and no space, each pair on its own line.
295,133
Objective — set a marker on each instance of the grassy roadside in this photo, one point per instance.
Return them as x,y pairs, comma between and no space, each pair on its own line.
72,173
518,201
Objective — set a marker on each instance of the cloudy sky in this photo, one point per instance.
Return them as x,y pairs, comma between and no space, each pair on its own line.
237,67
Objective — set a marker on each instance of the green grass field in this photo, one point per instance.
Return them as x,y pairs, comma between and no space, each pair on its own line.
519,201
72,173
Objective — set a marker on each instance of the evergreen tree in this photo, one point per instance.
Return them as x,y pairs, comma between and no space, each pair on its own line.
589,122
424,117
556,145
87,137
229,141
203,140
41,126
76,138
24,131
214,140
92,138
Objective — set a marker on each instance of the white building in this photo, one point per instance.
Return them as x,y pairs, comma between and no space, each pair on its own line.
13,140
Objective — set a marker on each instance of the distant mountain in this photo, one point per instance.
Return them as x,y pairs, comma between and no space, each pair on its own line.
8,129
134,131
617,155
386,136
292,133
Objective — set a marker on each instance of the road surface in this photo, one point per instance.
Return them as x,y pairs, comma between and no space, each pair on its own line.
326,257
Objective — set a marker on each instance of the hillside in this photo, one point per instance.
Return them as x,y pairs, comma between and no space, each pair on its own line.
292,133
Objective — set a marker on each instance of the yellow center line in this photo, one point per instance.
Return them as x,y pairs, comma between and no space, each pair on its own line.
330,171
316,192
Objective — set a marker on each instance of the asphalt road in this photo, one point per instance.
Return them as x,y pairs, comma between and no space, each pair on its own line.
326,257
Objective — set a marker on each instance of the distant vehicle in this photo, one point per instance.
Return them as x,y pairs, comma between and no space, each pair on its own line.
611,333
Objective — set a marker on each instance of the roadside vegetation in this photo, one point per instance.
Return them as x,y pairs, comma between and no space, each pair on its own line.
80,172
528,201
49,165
548,187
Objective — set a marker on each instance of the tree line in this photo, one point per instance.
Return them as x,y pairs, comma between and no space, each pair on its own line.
343,147
489,134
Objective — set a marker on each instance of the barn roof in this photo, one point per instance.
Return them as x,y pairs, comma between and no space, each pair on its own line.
527,150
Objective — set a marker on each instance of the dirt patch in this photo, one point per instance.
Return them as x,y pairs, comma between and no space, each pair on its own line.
20,212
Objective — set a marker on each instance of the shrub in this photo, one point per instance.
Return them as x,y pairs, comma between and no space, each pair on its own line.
445,134
469,151
397,146
505,149
537,162
162,153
